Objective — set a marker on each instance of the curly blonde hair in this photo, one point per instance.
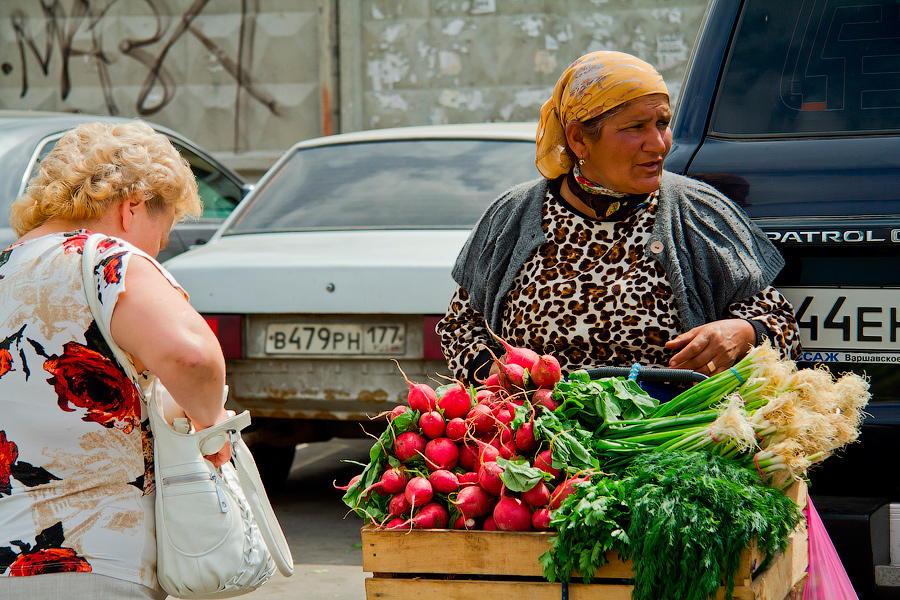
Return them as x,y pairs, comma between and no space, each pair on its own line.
97,164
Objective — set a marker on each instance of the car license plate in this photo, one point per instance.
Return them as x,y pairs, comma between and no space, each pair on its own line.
847,324
336,338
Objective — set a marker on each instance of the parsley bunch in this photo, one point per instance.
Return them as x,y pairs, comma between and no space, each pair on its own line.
683,518
692,514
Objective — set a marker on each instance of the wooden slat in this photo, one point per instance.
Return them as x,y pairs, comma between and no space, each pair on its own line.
430,589
515,554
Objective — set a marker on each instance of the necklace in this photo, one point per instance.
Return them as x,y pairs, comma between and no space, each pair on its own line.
608,205
592,188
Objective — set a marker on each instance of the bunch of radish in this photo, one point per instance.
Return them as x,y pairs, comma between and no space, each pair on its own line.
448,457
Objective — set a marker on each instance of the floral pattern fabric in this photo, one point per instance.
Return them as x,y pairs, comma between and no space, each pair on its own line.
76,485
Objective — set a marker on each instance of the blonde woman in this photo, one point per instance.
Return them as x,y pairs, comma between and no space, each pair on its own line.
76,477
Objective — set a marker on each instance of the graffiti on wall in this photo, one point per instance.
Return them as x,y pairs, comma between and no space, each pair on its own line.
78,33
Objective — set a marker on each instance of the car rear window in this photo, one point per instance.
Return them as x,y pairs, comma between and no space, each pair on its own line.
812,67
408,184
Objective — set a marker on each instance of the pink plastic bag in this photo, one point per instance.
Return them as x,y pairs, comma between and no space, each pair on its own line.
827,577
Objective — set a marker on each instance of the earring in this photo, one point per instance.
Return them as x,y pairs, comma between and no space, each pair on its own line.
580,162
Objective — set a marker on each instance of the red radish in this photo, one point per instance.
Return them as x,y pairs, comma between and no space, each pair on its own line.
443,481
432,424
544,462
396,523
511,514
523,357
441,453
537,496
525,441
564,490
489,478
540,520
399,506
492,383
503,414
508,450
418,491
489,524
546,372
408,445
393,481
398,410
353,480
544,397
431,516
421,397
480,419
468,478
484,397
512,377
456,429
468,455
486,453
473,501
465,523
455,402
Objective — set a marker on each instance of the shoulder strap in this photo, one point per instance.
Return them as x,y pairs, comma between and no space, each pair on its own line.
91,291
254,490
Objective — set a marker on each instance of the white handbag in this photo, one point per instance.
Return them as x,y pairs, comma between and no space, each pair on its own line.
216,533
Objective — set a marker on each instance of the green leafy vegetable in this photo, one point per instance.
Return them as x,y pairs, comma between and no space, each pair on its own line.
519,475
589,522
373,507
602,401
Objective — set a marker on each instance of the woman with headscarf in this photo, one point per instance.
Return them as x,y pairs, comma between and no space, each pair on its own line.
76,454
608,260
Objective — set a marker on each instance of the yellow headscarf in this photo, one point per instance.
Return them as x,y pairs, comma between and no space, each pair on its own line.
591,85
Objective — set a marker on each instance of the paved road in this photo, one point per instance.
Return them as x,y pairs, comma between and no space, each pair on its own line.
324,544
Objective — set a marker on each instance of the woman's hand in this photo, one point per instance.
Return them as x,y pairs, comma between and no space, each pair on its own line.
714,347
224,454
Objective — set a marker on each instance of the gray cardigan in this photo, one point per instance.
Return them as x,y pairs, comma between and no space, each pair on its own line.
711,252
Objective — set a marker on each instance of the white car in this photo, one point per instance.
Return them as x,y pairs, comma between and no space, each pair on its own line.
338,264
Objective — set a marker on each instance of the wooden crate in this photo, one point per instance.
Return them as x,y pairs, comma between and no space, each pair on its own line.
450,565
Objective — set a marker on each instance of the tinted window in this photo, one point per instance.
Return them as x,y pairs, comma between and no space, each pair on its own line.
396,184
812,66
218,193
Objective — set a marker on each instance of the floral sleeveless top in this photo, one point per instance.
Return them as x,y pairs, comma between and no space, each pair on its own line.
76,473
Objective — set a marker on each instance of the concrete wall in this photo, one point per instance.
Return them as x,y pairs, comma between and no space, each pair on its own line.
247,78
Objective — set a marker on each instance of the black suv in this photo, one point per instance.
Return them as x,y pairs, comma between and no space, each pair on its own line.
792,109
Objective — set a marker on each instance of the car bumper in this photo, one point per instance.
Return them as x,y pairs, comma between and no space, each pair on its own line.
331,389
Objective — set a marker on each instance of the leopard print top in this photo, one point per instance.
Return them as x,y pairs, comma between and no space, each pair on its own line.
590,297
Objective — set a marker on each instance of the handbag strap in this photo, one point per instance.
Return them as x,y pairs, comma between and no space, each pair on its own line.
255,492
91,291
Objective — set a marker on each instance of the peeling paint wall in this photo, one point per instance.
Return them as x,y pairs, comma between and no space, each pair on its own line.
457,61
248,78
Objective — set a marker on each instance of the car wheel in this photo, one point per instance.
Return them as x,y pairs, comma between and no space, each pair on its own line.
274,464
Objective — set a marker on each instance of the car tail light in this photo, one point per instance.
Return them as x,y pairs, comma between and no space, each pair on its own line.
229,329
431,340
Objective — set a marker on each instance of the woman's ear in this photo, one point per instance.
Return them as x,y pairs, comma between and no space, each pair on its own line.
127,211
575,139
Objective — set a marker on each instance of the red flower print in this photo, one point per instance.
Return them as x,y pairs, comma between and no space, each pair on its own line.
75,243
9,454
112,268
46,555
50,560
86,379
5,361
